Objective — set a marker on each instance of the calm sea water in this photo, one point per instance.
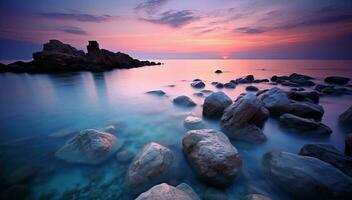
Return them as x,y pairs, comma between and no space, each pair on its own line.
34,106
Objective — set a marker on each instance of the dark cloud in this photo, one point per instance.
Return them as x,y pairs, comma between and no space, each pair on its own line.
319,21
150,6
77,17
250,30
72,30
173,18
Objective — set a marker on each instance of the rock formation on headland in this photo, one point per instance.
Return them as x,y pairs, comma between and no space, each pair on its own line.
59,57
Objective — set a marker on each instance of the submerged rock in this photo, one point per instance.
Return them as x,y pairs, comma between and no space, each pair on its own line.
89,147
304,125
243,119
164,192
306,177
346,117
307,110
276,101
192,123
215,104
198,84
329,154
184,101
338,80
230,85
252,88
348,145
212,156
218,71
255,197
156,92
154,164
219,85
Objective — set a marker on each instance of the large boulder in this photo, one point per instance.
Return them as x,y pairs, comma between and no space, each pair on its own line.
329,154
304,125
276,101
338,80
193,123
164,192
243,119
348,145
89,147
306,177
346,117
154,164
212,156
184,101
306,109
215,104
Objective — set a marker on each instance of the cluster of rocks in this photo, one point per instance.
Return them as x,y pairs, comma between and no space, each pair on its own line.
60,57
332,90
294,80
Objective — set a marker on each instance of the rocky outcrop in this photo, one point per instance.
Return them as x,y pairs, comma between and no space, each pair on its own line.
276,101
154,164
164,192
294,80
346,118
184,101
348,145
243,119
60,57
306,177
193,123
215,104
304,126
212,156
329,154
89,147
338,80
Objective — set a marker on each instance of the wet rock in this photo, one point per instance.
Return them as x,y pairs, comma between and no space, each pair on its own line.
218,71
110,129
304,96
63,133
154,164
164,192
89,147
303,125
212,156
15,192
261,81
184,101
246,79
214,194
156,92
306,177
307,110
338,80
346,117
255,197
214,83
206,91
230,85
187,189
243,119
198,94
219,85
198,84
215,104
348,145
193,123
294,80
333,90
22,175
124,155
252,88
328,154
276,101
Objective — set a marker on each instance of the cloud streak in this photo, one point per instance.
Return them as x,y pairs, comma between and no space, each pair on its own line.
73,30
249,30
150,6
172,18
77,17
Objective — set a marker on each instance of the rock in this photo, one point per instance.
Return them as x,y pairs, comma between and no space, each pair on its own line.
276,101
219,85
198,84
89,147
154,164
246,79
184,101
261,80
212,156
15,192
156,92
63,133
22,175
215,104
218,71
230,85
214,83
164,192
187,189
243,119
214,194
332,90
328,154
338,80
198,94
294,80
306,109
249,78
197,79
255,197
206,91
303,125
304,96
348,145
110,129
306,177
124,156
252,88
192,123
346,117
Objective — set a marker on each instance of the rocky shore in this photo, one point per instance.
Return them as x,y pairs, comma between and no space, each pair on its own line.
57,56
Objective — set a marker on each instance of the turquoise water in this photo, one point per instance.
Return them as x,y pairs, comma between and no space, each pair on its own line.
35,106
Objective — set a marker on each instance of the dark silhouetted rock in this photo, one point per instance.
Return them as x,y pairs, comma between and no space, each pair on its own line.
304,96
333,90
230,85
306,177
184,101
193,123
294,80
346,117
276,101
306,110
261,80
255,197
198,84
156,92
338,80
303,125
243,119
348,145
164,192
329,154
252,88
215,104
219,85
218,71
212,156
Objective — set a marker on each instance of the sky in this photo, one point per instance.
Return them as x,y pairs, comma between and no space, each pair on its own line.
169,29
